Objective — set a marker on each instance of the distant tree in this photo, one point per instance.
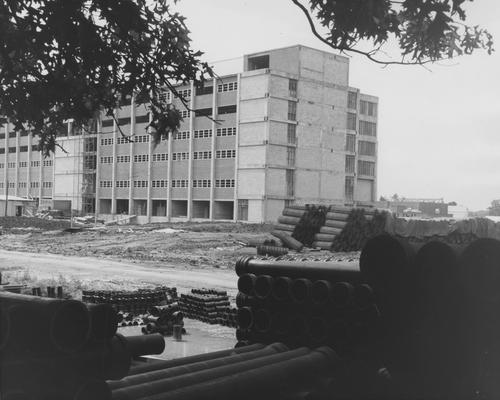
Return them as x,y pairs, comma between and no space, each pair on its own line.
395,197
452,203
382,198
494,209
425,30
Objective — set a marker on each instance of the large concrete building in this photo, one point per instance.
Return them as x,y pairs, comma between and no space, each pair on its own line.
288,129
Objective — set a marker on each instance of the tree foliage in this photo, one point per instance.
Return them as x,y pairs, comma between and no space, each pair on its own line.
425,30
63,59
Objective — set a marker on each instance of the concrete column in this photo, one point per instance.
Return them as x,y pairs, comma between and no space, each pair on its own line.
149,203
131,155
113,165
190,155
40,179
6,169
28,172
169,176
53,158
236,141
97,167
212,149
17,163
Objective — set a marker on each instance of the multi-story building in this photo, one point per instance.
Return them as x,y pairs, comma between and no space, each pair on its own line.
288,129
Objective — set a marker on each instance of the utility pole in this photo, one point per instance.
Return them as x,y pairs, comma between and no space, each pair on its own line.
6,195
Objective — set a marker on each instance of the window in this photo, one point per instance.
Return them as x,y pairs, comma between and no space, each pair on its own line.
23,164
47,185
162,183
179,183
292,110
368,108
203,112
349,188
202,183
34,185
142,119
350,143
24,133
122,184
140,184
290,153
352,100
141,157
2,135
292,133
350,164
225,154
23,149
90,144
12,149
243,210
21,185
1,185
226,110
164,96
183,135
290,182
141,139
224,183
351,121
106,184
107,160
258,62
11,165
227,87
202,133
12,185
292,87
106,141
367,128
366,148
107,123
12,134
366,168
122,159
226,131
47,163
204,90
184,93
179,156
2,150
2,165
160,157
123,140
202,155
35,147
185,114
35,163
89,161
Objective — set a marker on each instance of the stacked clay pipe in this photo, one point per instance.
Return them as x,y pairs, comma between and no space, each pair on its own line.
208,305
62,349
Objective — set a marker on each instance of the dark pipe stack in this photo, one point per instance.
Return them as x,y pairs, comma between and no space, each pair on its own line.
62,349
208,305
161,319
310,224
304,304
255,371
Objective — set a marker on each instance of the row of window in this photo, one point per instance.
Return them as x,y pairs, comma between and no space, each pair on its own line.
365,127
202,155
227,87
13,134
365,148
181,135
163,183
24,164
123,140
178,156
225,154
22,149
24,185
364,167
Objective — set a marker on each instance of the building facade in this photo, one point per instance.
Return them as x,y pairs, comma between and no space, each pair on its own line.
288,129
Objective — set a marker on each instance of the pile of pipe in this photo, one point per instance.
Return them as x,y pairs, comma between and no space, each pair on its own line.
130,319
208,305
251,372
310,224
52,291
135,302
304,303
358,226
162,319
289,219
62,349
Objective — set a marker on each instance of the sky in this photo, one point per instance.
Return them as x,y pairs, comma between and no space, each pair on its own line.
438,130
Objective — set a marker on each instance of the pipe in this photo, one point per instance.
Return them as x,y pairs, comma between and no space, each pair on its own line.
103,321
363,296
63,325
145,345
317,330
332,271
4,327
321,292
281,288
342,293
301,290
246,283
92,390
157,365
244,318
270,381
148,389
263,286
195,367
242,300
262,320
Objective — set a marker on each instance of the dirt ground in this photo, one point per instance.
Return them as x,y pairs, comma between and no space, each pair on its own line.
184,255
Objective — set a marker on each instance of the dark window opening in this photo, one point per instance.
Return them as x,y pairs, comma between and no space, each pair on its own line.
23,149
258,62
12,134
141,119
205,112
12,149
107,123
226,110
204,90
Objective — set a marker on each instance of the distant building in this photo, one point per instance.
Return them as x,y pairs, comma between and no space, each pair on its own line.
289,130
425,208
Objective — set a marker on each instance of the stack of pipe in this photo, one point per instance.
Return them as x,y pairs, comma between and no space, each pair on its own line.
289,219
62,349
250,372
440,318
136,302
161,319
304,303
207,305
310,224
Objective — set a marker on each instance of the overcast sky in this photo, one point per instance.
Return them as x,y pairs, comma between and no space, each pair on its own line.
439,131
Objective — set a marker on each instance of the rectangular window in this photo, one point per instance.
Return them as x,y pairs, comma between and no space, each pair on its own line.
2,150
122,159
292,110
12,134
2,165
141,139
185,113
202,155
123,140
142,119
352,100
12,185
141,158
349,188
351,121
290,152
203,112
35,147
23,164
292,87
106,184
226,131
180,156
290,182
122,184
47,163
368,108
34,185
162,183
90,161
227,87
202,183
24,133
21,185
12,149
11,165
107,160
160,157
350,143
2,135
224,183
225,154
106,141
182,135
200,91
106,123
292,133
202,133
350,164
184,93
164,96
366,148
226,109
367,128
90,144
179,183
46,185
23,149
243,210
366,168
140,184
35,163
